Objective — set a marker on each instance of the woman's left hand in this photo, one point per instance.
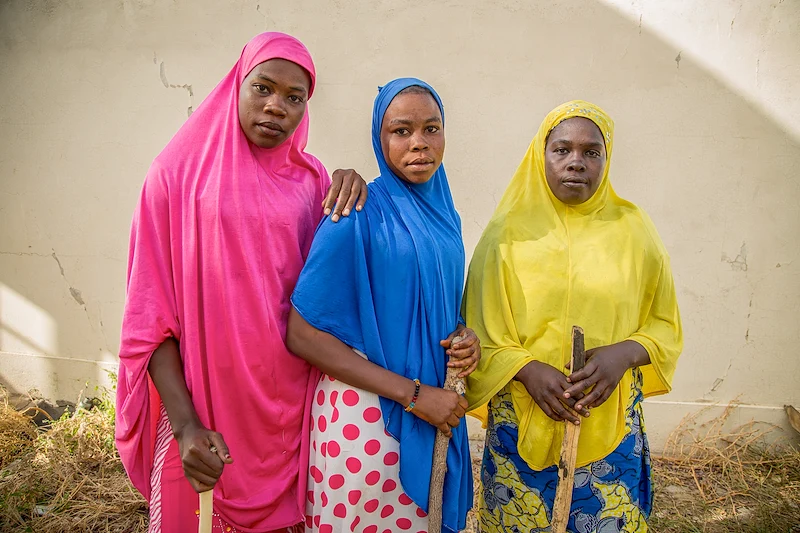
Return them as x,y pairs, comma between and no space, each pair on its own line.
466,353
347,188
604,369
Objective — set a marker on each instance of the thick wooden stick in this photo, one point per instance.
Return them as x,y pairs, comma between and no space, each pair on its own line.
454,383
569,448
206,510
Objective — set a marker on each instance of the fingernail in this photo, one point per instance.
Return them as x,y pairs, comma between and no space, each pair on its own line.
335,218
327,211
358,208
566,395
346,212
227,456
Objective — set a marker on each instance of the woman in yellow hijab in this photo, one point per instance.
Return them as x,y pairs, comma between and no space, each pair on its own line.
563,249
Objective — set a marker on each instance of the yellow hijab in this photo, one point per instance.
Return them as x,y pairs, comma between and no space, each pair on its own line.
541,267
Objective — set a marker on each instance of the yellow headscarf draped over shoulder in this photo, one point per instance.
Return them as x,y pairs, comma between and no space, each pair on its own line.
541,267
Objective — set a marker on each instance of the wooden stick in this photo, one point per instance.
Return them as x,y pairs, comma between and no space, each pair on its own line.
206,510
454,383
569,448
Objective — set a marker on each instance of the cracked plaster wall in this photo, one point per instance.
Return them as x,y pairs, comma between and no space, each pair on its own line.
702,95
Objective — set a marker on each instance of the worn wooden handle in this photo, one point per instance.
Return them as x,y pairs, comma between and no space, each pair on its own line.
454,383
569,448
206,510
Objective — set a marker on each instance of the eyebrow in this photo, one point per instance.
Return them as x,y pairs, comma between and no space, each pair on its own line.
591,144
407,122
267,78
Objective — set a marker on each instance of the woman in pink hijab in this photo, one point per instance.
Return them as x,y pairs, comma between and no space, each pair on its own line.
208,394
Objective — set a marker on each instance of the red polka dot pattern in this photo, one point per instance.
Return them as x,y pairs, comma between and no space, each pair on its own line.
353,475
372,415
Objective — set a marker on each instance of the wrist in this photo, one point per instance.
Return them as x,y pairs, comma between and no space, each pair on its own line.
184,426
635,354
415,396
525,371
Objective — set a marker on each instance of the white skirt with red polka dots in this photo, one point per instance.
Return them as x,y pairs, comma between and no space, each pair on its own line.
354,475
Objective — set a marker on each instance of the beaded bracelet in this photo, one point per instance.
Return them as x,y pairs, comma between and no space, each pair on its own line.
414,398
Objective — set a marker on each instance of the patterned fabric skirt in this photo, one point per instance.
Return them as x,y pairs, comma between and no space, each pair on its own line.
613,494
354,471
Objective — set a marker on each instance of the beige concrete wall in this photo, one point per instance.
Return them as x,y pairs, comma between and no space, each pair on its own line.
708,142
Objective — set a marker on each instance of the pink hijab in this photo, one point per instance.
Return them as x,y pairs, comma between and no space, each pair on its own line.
219,237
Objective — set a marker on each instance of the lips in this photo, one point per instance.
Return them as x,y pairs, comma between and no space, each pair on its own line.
574,181
421,163
270,129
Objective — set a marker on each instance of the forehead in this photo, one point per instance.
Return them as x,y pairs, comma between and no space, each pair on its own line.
412,105
577,129
282,71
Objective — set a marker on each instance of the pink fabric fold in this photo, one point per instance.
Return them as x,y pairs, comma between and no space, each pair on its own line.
219,237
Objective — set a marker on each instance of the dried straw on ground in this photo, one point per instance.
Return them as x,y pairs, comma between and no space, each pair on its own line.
710,480
68,478
714,480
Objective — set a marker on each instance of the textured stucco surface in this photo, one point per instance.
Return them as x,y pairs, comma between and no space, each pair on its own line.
703,95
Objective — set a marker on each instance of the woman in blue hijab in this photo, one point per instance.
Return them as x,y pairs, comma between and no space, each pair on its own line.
377,334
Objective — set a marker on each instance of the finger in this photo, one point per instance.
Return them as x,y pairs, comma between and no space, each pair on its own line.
572,403
560,409
467,339
347,183
362,198
460,351
445,429
545,407
355,188
453,421
579,387
463,402
462,359
202,458
591,398
470,370
333,192
200,478
448,341
194,462
197,486
602,399
222,449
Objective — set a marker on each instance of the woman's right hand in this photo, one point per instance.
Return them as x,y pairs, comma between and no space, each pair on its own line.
440,408
201,464
546,385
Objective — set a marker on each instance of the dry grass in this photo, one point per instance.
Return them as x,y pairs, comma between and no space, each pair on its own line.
713,480
67,478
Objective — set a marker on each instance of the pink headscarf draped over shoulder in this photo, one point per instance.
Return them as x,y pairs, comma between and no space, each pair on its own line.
219,237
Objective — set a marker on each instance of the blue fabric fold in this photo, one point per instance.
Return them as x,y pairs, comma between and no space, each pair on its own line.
388,281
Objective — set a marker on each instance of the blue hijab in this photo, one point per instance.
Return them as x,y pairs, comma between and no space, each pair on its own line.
388,281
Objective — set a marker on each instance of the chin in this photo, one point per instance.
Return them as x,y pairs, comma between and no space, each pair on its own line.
416,178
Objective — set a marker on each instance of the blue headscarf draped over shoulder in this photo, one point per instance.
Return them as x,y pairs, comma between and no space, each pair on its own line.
388,281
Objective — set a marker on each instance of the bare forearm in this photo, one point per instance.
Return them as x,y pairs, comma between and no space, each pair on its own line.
637,355
166,371
336,359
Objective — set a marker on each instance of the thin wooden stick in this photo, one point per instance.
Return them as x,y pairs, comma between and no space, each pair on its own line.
569,448
454,383
206,510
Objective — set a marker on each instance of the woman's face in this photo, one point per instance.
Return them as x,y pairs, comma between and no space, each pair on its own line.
412,137
272,101
574,159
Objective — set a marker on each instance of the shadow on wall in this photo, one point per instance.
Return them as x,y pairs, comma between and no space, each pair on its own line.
700,158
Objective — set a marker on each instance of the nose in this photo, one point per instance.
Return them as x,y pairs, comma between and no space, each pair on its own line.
577,164
419,142
274,106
